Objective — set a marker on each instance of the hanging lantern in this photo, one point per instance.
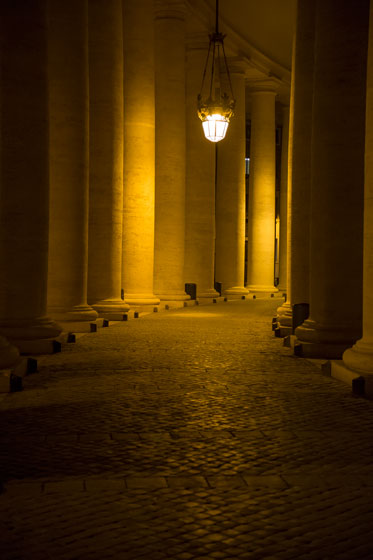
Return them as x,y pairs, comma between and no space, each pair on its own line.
215,105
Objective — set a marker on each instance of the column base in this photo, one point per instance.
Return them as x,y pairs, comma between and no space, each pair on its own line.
173,296
285,315
359,358
210,293
236,291
110,308
136,299
319,350
40,328
262,289
321,333
282,331
77,313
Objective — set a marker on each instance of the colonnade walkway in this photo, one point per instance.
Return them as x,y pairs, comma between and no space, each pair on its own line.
184,435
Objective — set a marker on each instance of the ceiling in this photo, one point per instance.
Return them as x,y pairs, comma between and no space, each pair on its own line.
259,32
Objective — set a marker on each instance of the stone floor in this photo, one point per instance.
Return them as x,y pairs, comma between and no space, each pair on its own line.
187,434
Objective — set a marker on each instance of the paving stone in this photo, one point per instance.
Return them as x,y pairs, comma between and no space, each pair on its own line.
191,433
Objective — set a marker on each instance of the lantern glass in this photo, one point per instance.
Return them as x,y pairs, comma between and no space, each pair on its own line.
215,127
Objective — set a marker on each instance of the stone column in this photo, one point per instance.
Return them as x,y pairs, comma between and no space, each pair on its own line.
230,195
200,181
24,181
282,287
169,150
359,358
299,162
68,103
261,216
138,203
106,158
336,225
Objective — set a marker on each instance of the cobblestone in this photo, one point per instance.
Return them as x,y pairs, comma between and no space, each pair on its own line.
187,434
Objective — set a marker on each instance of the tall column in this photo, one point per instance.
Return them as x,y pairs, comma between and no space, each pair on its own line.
169,150
231,196
336,225
68,103
138,203
200,181
299,162
106,158
24,180
282,287
359,358
262,184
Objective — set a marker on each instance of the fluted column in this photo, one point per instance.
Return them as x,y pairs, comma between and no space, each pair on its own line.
299,162
24,180
359,358
138,202
68,102
230,195
282,287
106,158
336,225
261,216
200,181
169,150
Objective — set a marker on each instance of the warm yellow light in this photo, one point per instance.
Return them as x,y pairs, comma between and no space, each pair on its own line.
215,127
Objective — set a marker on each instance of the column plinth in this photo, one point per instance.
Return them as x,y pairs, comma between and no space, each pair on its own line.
261,215
336,225
169,150
69,162
231,196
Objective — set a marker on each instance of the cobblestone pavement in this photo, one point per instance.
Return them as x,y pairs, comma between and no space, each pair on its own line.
190,434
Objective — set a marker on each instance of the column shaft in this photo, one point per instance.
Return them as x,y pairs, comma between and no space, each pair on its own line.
106,158
359,358
299,162
284,200
337,179
68,102
230,197
261,216
138,203
24,178
200,183
170,150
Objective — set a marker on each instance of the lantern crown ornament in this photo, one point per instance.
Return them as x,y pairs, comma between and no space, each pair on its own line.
215,105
